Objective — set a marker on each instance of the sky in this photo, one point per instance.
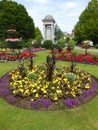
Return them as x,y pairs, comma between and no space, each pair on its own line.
65,12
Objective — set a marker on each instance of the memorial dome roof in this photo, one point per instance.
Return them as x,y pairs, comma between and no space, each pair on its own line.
48,18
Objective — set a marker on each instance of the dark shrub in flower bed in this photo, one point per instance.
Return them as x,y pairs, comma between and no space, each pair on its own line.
66,91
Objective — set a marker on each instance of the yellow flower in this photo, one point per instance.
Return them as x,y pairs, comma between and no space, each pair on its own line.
27,91
17,72
32,86
58,91
53,88
58,87
21,90
46,86
73,89
20,86
36,95
65,79
38,87
89,79
40,78
34,90
67,92
44,91
87,86
79,85
55,98
23,81
68,86
73,94
26,82
33,71
25,78
55,81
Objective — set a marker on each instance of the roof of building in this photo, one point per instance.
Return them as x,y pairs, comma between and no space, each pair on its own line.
48,18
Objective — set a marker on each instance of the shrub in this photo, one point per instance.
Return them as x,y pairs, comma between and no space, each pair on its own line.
61,43
70,76
32,76
71,44
47,44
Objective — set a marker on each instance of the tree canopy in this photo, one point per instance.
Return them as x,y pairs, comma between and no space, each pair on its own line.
14,15
58,33
38,35
87,26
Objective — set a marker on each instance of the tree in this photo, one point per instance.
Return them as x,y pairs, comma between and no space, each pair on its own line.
87,26
14,15
61,43
70,45
58,33
38,36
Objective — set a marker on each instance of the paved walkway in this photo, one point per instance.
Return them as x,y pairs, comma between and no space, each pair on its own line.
92,50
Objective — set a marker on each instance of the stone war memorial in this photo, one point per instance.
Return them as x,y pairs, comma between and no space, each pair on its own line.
48,27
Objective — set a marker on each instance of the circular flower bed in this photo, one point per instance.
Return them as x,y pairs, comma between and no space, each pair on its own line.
32,90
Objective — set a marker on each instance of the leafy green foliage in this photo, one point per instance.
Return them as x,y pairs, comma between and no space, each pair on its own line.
47,44
14,15
28,44
71,44
3,44
61,43
41,67
32,76
86,27
38,36
59,69
58,33
70,76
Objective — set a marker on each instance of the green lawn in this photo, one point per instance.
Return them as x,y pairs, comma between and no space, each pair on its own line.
82,118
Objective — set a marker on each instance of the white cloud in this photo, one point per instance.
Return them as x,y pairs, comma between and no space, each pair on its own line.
73,14
41,1
69,5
